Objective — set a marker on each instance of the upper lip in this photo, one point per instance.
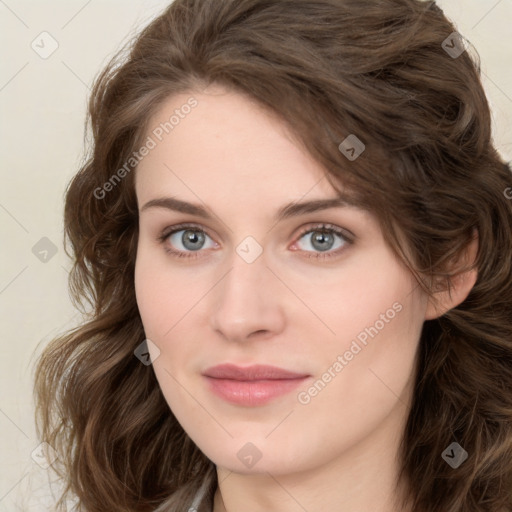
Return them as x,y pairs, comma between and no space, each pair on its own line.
254,372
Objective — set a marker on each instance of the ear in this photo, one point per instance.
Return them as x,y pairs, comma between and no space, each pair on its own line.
460,284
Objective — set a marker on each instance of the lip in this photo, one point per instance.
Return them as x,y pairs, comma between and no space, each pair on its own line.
249,373
251,385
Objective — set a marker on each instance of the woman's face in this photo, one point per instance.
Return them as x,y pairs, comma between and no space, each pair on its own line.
259,279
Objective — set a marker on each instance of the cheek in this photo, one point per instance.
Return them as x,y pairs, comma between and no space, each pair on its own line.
352,395
149,295
365,297
161,308
161,297
385,345
375,312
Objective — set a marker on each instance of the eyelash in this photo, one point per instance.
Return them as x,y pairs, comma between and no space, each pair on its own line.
327,228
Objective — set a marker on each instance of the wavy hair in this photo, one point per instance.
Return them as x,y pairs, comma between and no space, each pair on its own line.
377,69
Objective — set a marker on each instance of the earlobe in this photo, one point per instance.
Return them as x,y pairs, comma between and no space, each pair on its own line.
460,284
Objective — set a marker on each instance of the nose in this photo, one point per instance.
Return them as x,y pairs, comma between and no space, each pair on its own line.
248,302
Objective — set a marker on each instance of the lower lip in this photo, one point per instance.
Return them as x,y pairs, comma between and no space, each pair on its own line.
252,393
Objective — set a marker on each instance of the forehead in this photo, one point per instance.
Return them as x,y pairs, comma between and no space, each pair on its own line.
225,146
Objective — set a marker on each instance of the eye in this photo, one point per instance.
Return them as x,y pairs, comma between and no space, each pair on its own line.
188,239
322,238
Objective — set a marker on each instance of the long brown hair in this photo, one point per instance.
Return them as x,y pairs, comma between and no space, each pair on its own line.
377,69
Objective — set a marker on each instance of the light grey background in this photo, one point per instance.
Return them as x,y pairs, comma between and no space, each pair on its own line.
42,108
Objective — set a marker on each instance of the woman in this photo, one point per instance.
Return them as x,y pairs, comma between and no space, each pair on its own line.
294,233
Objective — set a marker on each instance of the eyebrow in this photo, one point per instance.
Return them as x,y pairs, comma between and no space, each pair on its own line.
285,212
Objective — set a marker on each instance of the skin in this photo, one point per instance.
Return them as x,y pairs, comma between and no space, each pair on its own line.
339,451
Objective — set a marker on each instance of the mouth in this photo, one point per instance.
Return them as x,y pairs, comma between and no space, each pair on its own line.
252,385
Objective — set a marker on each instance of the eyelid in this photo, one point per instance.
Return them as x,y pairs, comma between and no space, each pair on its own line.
319,226
182,226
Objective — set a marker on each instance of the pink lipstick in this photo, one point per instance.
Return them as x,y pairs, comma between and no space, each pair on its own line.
251,385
